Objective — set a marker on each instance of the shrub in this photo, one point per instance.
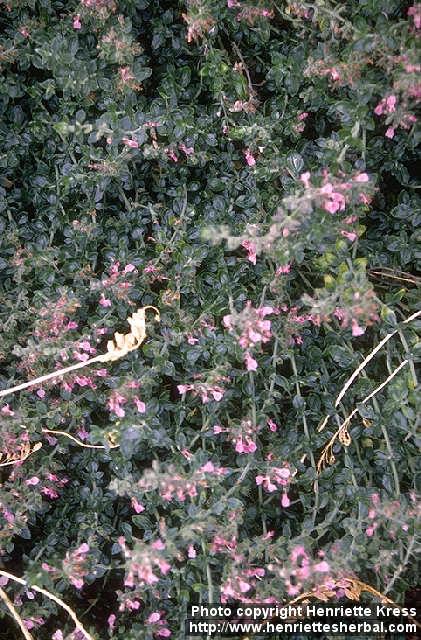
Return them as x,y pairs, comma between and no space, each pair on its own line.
248,169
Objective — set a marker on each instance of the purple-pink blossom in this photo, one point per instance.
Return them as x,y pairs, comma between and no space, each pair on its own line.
32,482
104,302
137,506
249,157
285,501
356,329
250,362
133,144
250,247
140,406
7,411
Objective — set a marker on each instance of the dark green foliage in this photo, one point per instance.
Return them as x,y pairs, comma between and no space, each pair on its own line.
175,154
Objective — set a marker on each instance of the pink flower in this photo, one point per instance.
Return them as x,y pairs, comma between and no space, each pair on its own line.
137,506
114,267
336,201
379,108
76,22
111,621
284,268
217,429
183,388
244,586
154,617
82,357
51,441
114,404
361,177
129,268
57,635
245,445
272,425
303,116
356,329
350,219
10,518
31,482
126,75
6,410
330,206
141,407
327,189
369,531
51,493
158,544
250,159
350,235
285,501
251,363
172,155
76,582
187,150
191,339
250,247
187,454
322,567
415,11
282,473
390,132
150,268
264,311
217,395
133,144
104,302
390,104
305,179
209,467
85,381
191,551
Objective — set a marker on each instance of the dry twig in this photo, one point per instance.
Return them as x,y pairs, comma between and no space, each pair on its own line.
23,454
342,433
366,360
79,442
117,348
52,597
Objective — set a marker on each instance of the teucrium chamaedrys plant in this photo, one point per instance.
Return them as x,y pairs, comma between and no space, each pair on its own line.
247,168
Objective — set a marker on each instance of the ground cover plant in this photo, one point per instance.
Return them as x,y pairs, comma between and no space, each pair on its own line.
209,212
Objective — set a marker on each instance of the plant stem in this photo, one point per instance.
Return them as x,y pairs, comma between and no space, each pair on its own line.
307,435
